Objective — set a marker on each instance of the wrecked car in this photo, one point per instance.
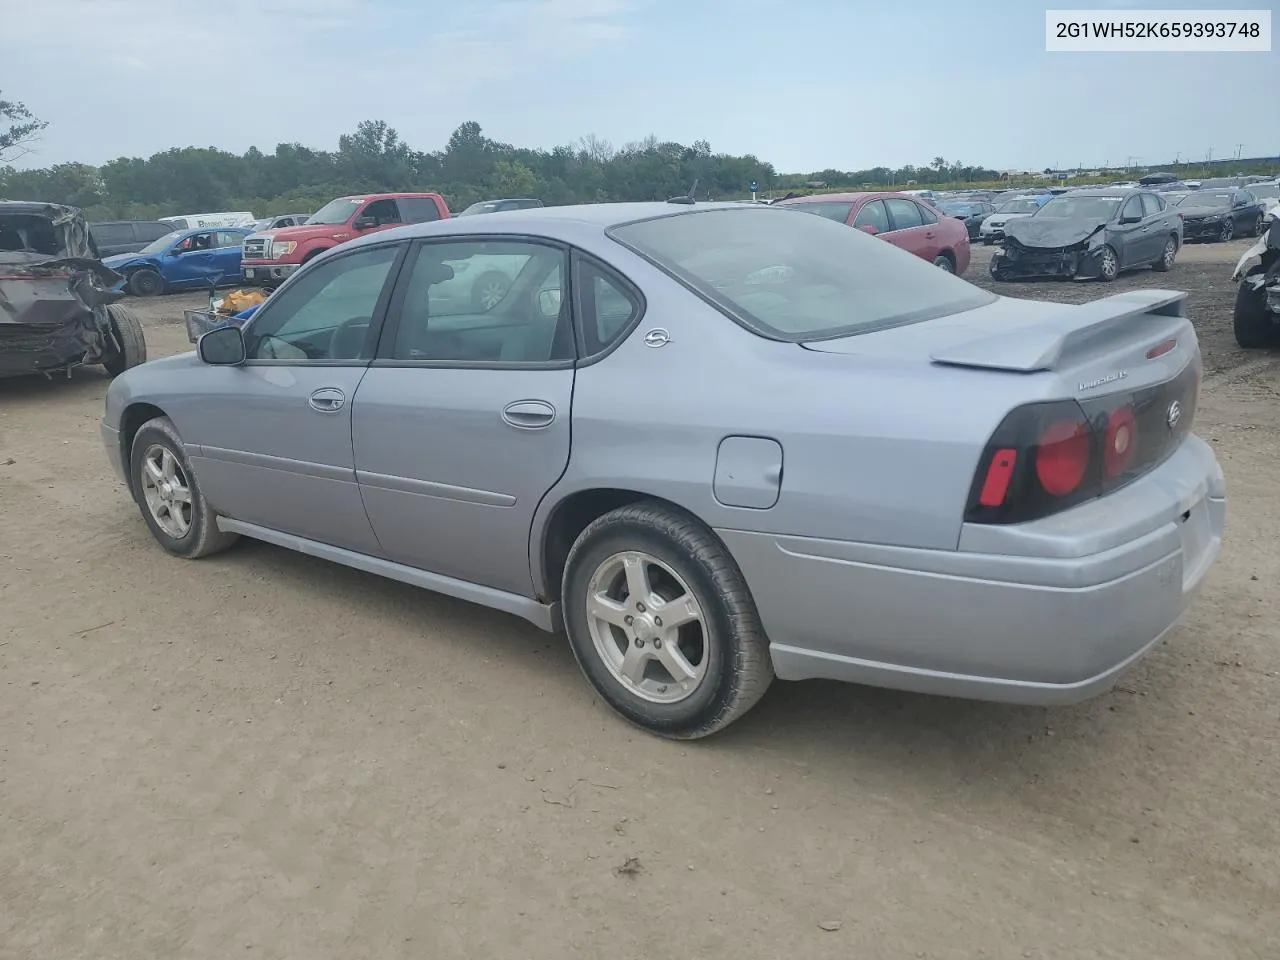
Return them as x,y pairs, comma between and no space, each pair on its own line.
57,306
1221,214
1257,313
1090,234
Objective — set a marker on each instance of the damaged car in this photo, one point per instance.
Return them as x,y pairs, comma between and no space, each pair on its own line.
1090,234
992,228
1257,313
58,309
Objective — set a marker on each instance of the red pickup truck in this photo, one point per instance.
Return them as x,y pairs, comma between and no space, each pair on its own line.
271,256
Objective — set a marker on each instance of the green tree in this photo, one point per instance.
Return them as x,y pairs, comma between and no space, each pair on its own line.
18,127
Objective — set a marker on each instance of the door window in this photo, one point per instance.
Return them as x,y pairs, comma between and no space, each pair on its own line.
324,314
609,307
1151,204
383,212
927,216
904,214
228,238
485,301
195,242
1132,208
873,214
418,209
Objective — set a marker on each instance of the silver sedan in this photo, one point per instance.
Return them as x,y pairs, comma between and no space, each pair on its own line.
714,443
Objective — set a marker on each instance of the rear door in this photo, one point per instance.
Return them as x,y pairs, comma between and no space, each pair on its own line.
907,229
227,253
461,424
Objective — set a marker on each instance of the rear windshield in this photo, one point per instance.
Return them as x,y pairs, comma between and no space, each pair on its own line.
797,278
831,209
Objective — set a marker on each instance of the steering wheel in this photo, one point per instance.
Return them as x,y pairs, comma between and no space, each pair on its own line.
348,338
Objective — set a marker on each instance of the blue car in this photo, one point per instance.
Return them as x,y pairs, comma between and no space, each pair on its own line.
181,260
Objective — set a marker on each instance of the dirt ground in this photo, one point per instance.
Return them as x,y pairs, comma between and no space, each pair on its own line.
266,756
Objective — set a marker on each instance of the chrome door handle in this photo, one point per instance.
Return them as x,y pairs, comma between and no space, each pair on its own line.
327,400
529,414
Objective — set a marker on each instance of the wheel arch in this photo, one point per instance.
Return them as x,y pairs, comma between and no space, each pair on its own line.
131,420
564,519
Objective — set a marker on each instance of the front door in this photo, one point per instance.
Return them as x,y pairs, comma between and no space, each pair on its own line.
461,425
1134,234
273,437
192,261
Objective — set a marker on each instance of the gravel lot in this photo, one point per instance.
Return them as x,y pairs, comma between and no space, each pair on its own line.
262,755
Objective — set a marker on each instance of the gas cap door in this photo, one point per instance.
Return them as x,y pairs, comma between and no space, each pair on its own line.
748,472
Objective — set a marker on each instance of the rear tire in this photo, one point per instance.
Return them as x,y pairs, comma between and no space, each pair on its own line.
127,330
679,681
1165,263
169,496
1253,324
146,283
944,262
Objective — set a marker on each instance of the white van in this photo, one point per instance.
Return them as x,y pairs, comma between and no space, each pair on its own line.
193,221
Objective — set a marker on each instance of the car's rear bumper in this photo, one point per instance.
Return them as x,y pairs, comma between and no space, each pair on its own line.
1047,612
266,272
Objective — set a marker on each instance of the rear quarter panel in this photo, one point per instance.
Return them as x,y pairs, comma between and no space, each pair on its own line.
875,450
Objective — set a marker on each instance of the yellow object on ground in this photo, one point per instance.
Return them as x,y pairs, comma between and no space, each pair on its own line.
238,300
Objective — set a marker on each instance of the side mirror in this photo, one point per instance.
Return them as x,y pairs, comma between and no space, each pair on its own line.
223,347
365,223
549,303
868,228
1130,220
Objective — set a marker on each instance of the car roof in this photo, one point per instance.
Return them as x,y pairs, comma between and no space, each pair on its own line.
579,223
849,197
1109,191
37,208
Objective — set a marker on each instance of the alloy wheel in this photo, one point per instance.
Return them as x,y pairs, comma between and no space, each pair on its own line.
166,491
647,627
1228,230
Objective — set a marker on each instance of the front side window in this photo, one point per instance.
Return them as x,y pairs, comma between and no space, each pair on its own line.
873,214
1151,204
324,314
1132,209
382,212
797,278
195,242
485,301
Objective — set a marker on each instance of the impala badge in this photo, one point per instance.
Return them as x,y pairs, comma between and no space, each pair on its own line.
1103,381
657,337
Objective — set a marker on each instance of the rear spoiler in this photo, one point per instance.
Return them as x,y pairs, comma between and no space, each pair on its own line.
1042,346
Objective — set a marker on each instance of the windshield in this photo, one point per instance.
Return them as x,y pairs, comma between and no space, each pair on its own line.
797,278
831,209
1025,205
1201,199
336,211
158,246
1080,208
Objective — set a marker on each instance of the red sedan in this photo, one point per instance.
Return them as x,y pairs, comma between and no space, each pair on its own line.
902,220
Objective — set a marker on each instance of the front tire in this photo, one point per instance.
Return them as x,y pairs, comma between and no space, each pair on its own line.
1253,324
146,283
131,343
169,496
1108,264
1165,263
1228,231
690,674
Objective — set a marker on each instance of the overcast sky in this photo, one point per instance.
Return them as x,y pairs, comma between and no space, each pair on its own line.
807,84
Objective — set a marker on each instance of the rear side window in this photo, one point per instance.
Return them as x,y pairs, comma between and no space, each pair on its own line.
608,307
418,209
904,214
106,234
796,278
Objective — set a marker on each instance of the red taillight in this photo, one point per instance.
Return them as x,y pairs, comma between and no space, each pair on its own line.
1062,457
996,486
1120,441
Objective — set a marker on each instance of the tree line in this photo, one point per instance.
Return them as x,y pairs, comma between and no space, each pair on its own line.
294,178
